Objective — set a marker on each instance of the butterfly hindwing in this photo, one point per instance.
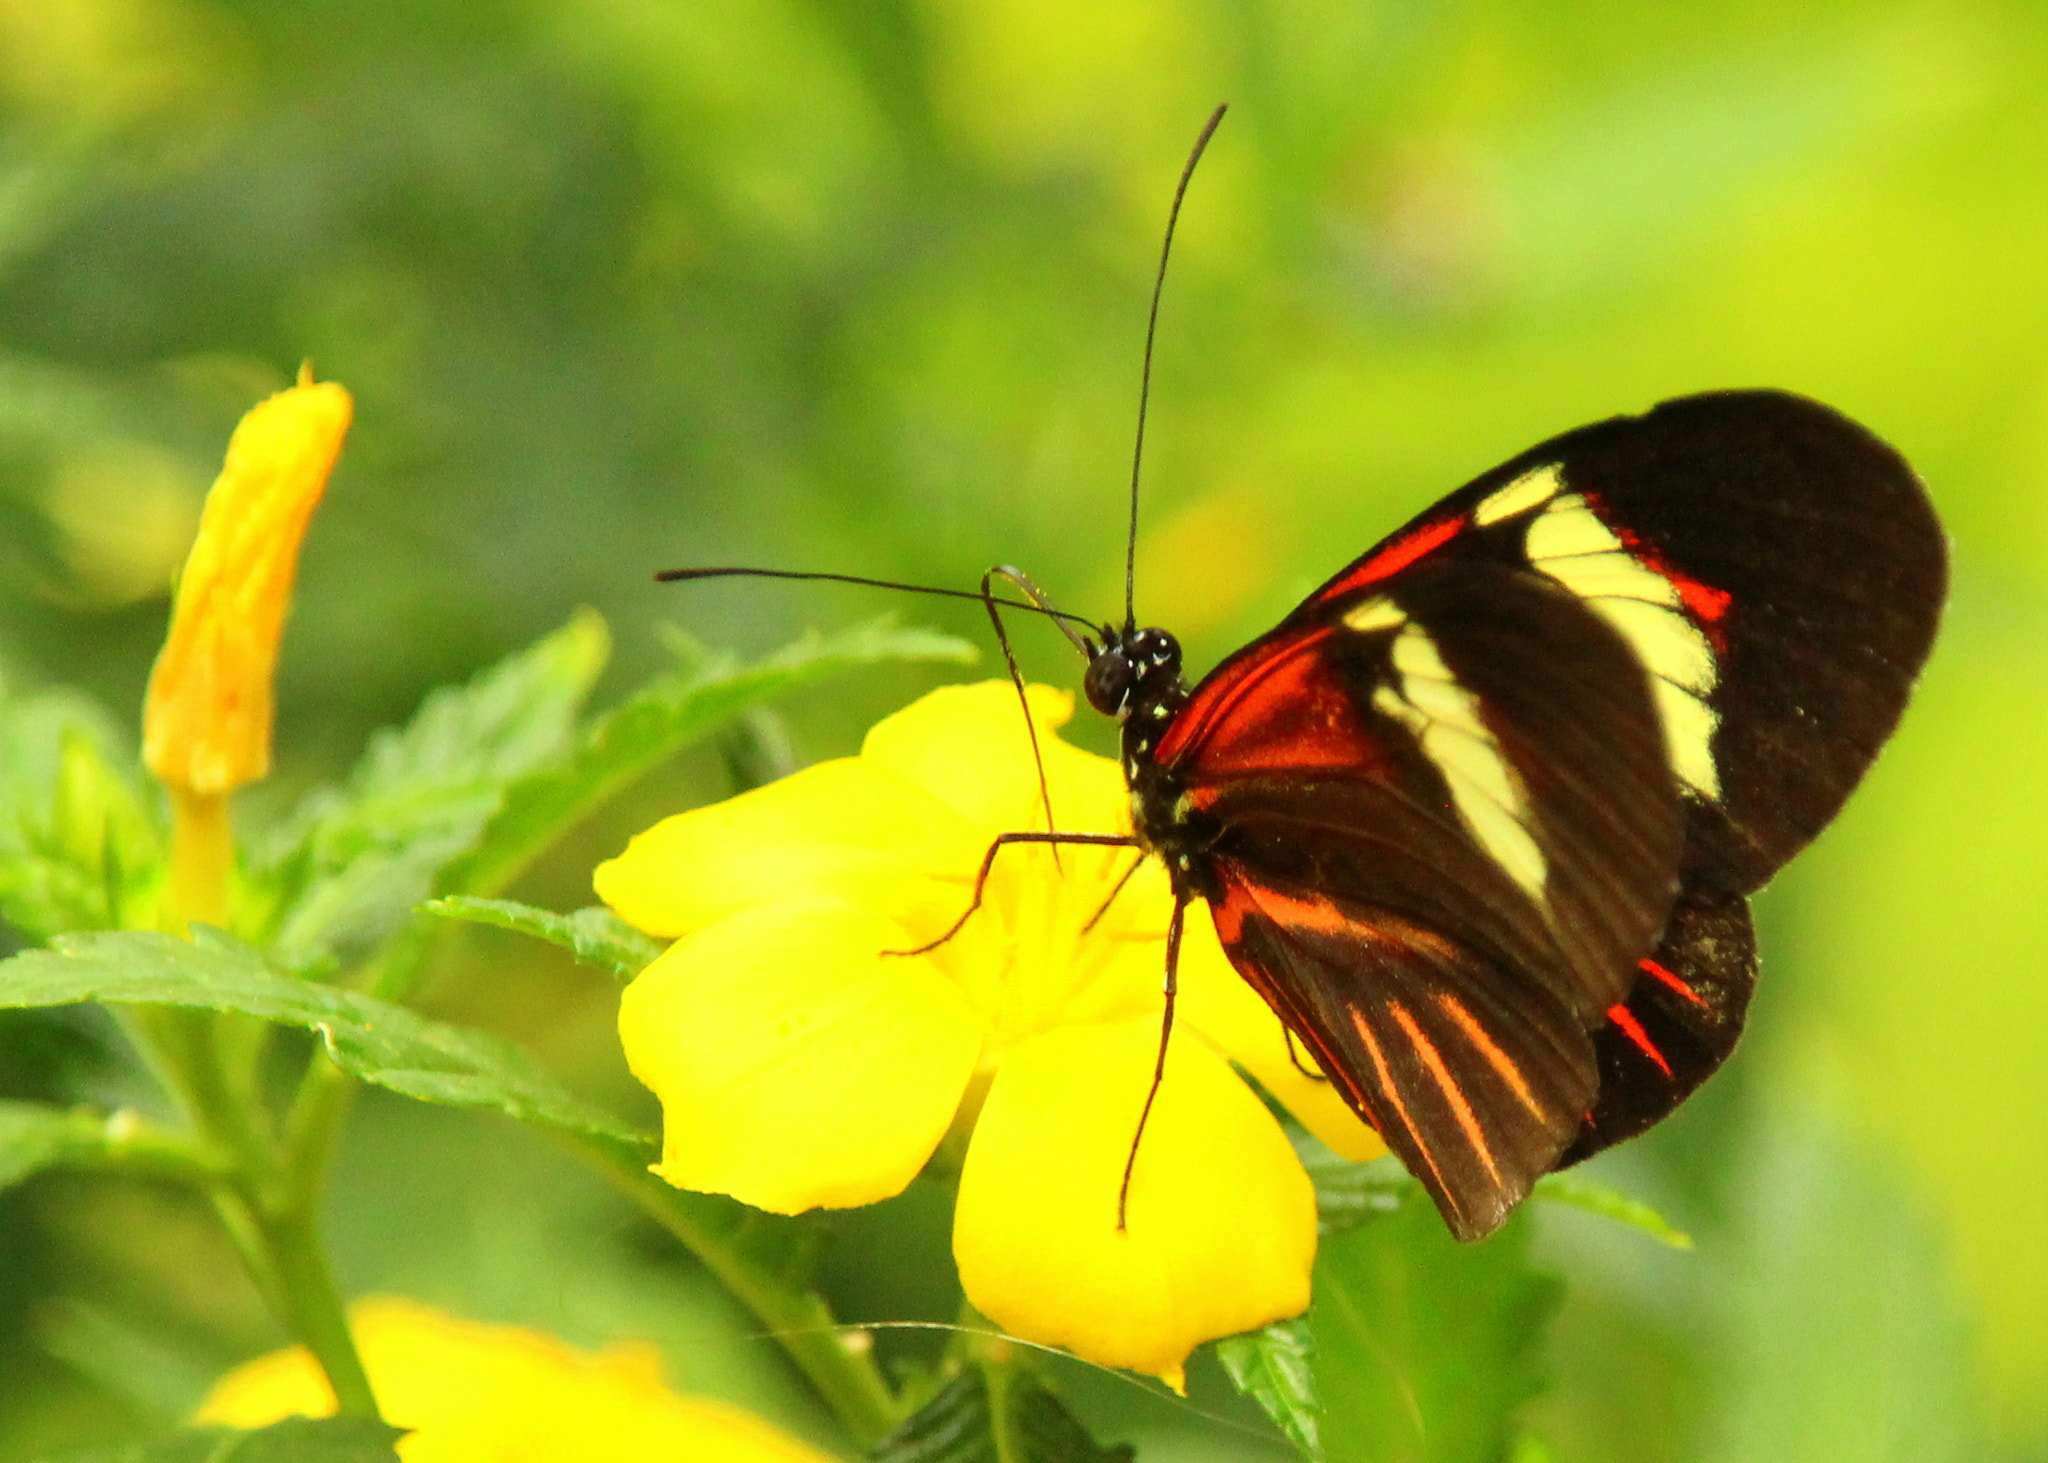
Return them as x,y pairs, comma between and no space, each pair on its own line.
1679,1023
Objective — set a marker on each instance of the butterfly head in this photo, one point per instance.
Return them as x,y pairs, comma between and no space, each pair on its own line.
1133,668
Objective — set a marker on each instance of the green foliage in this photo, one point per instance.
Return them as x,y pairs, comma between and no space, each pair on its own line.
665,715
1424,1349
1581,1192
80,847
1275,1367
357,858
593,935
1846,1342
296,1440
374,1040
34,1138
995,1416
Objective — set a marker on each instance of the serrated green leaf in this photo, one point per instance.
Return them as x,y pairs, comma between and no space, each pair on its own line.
357,858
295,1440
1425,1348
377,1041
1016,1421
594,935
1597,1198
79,843
1274,1367
662,717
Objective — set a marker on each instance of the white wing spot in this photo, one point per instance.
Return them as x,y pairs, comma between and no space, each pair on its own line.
1444,717
1570,544
1377,613
1537,486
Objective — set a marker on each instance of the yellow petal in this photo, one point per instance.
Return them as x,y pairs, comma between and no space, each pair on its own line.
206,721
1215,1001
797,1066
500,1394
842,828
1222,1220
967,746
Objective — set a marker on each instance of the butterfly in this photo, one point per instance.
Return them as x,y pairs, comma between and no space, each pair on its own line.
1480,818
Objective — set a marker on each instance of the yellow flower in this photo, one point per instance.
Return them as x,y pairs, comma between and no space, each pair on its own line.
499,1394
799,1065
206,722
206,719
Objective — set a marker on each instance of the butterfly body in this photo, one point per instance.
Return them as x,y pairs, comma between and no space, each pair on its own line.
1479,818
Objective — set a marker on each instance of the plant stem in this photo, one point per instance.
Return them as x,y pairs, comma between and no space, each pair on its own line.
267,1205
315,1312
799,1320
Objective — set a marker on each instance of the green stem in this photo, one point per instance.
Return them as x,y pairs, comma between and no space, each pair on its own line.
268,1205
315,1312
846,1377
326,1093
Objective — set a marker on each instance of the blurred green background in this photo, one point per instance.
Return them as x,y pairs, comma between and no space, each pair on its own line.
860,285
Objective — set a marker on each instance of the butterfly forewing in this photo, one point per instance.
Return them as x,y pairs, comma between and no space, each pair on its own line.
1441,830
1777,568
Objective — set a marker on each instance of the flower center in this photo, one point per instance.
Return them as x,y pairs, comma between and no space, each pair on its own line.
1037,956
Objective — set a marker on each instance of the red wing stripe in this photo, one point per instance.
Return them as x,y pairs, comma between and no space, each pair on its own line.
1379,1063
1393,558
1461,1107
1631,1028
1499,1060
1651,968
1219,699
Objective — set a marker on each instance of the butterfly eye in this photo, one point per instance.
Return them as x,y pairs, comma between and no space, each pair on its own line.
1108,682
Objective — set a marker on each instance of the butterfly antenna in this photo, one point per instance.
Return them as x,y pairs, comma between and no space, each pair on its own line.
1145,380
1062,618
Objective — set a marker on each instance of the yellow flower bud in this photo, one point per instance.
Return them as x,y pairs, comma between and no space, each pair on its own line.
206,722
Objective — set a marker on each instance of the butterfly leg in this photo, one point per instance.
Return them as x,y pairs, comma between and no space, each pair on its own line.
995,618
1173,929
1294,1056
988,860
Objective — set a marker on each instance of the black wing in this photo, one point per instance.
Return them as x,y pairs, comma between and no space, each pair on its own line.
1774,574
1440,830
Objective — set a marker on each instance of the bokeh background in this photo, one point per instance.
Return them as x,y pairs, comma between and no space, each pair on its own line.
860,285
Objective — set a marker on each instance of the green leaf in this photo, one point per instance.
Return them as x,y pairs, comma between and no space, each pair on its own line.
1349,1193
377,1041
1425,1348
995,1415
594,935
33,1138
1597,1198
1274,1367
295,1440
79,843
655,722
358,858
